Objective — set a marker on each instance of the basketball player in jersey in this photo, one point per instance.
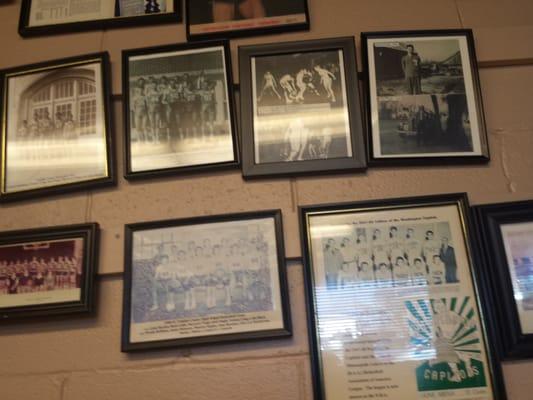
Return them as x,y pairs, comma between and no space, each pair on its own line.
365,272
349,264
401,272
430,247
208,109
287,83
419,273
412,246
140,111
152,104
269,85
379,249
437,271
383,275
326,79
165,108
395,246
296,136
162,277
303,81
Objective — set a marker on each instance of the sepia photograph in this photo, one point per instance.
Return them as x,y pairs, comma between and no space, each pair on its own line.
230,18
178,109
394,281
507,233
303,113
219,277
424,98
56,126
47,271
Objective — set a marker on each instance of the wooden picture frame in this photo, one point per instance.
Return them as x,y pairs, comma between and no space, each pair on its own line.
381,310
205,280
506,241
56,127
423,98
300,108
48,271
31,24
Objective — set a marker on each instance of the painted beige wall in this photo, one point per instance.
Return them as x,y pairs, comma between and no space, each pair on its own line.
80,359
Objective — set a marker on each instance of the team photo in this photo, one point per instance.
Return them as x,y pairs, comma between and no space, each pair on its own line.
179,109
300,107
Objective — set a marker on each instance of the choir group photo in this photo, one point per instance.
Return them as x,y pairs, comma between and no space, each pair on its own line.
202,273
300,107
397,255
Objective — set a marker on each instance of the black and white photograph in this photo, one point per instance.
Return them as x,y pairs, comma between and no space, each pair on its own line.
398,255
45,17
44,270
300,106
424,96
507,243
178,109
230,18
56,126
217,277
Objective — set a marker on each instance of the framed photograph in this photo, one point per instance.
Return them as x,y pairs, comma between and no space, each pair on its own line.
507,240
208,19
45,17
178,109
205,280
393,305
423,98
48,271
56,127
300,108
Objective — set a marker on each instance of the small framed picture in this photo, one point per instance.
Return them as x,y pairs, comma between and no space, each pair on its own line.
48,271
423,98
208,19
42,17
300,108
507,233
393,302
56,122
205,280
178,109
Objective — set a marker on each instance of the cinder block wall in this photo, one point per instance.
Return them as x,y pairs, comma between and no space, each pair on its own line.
80,359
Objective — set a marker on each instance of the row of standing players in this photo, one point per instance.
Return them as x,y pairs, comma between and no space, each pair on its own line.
392,261
38,275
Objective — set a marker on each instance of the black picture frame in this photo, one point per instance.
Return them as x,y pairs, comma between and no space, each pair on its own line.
490,218
354,160
232,29
89,233
186,49
334,303
473,98
25,30
285,330
102,103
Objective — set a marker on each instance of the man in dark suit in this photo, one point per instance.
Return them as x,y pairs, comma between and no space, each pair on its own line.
447,255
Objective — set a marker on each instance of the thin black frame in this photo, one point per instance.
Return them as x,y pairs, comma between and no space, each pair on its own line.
110,179
489,219
480,287
100,24
229,34
437,159
126,54
357,162
285,331
90,233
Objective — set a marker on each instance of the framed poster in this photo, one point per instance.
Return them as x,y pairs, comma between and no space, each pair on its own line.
205,280
507,232
56,127
423,98
48,271
178,109
393,306
300,108
208,19
45,17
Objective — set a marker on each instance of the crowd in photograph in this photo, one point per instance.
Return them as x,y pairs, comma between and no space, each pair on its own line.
39,274
181,106
389,260
207,275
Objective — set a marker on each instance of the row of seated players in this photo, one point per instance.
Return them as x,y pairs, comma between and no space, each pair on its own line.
39,275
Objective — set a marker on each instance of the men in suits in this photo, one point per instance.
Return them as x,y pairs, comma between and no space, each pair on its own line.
411,71
447,255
